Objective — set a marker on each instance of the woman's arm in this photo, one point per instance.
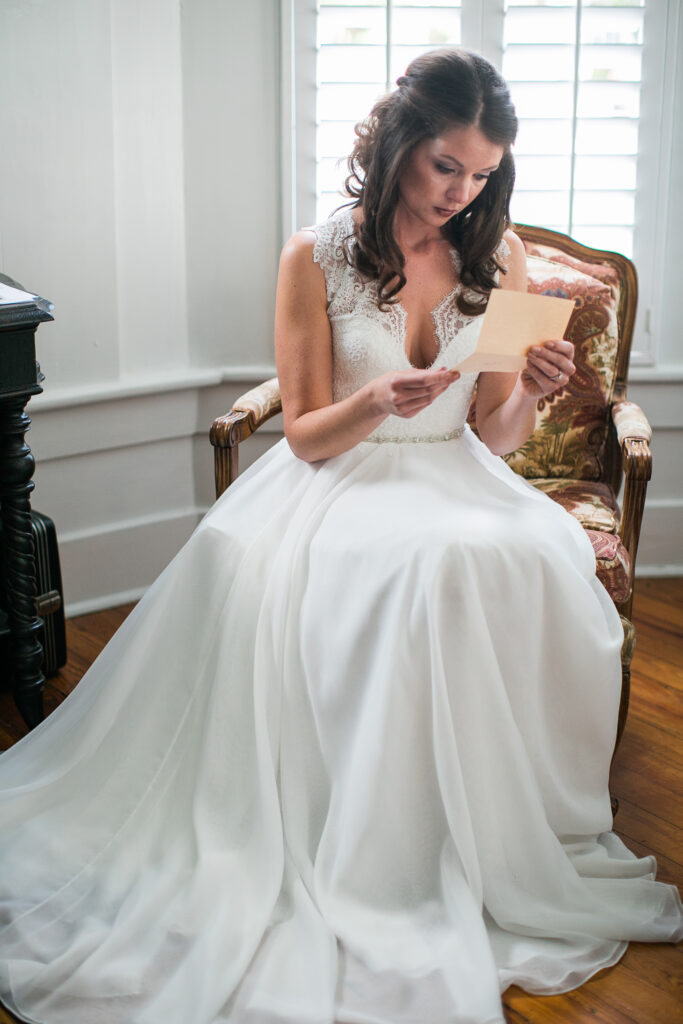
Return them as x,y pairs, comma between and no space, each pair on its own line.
315,427
506,402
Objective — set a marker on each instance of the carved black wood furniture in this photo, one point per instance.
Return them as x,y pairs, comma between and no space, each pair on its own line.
20,379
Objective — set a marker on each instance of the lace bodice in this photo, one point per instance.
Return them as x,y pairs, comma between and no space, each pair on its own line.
367,342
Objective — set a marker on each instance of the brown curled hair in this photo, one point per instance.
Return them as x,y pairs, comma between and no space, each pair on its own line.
441,89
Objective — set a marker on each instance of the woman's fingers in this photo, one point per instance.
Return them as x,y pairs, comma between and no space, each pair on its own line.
414,399
421,392
554,360
551,367
408,391
412,379
548,367
541,379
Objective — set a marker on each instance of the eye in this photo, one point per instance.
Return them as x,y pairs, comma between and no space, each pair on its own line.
482,177
443,169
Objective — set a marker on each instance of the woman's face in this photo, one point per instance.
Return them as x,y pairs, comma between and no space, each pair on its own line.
445,174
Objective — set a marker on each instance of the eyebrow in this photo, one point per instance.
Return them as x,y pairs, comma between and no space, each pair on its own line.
445,156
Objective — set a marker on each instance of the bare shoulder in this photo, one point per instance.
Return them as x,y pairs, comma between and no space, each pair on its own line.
298,250
300,276
515,263
515,243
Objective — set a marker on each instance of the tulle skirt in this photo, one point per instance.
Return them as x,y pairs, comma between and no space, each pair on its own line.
346,761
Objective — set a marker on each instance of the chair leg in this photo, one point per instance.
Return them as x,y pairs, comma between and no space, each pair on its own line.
226,467
627,649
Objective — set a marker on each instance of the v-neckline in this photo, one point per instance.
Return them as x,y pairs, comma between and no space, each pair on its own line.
400,308
441,304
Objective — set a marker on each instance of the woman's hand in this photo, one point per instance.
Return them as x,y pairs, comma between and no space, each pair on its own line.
405,393
548,367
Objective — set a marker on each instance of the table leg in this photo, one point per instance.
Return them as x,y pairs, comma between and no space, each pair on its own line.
16,469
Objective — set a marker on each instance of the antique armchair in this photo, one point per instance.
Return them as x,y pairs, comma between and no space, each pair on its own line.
587,436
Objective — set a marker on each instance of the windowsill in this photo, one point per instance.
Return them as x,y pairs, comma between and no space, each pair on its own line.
665,373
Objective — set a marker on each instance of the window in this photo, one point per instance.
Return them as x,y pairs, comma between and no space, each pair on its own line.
362,49
574,70
580,76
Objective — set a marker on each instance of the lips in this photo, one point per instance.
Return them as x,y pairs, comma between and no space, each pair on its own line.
443,212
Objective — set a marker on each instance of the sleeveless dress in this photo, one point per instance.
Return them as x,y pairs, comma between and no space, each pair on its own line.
347,760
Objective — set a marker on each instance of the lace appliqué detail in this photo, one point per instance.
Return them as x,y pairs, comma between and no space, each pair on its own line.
368,342
343,283
447,317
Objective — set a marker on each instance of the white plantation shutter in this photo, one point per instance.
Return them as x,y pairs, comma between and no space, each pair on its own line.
579,72
362,49
574,70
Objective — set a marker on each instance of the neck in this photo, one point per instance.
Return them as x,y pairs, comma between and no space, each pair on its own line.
411,234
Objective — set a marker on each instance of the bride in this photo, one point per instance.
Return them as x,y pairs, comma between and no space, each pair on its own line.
348,758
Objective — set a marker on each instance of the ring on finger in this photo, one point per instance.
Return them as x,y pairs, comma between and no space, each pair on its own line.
558,376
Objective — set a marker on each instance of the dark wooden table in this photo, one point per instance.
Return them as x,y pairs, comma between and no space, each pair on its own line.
20,378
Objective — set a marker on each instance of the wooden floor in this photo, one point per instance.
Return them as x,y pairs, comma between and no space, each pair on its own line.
646,987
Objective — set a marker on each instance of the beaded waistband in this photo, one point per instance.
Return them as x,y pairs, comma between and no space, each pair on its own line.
431,438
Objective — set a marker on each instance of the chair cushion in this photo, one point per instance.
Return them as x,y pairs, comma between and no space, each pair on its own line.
604,272
593,503
573,422
595,506
612,564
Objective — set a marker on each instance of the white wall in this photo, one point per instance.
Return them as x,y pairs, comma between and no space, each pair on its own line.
140,191
230,54
659,389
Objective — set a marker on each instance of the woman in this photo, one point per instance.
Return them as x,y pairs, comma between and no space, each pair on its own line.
347,760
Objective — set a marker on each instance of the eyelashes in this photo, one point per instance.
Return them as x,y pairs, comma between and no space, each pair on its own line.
443,169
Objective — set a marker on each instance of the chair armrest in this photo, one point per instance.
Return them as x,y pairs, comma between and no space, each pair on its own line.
630,422
247,414
634,433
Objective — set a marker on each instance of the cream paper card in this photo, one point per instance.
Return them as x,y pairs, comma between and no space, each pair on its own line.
513,322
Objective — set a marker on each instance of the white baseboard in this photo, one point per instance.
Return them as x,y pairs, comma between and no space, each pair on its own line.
660,552
102,602
115,563
658,571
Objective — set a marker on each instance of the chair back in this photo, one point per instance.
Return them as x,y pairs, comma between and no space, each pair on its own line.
574,436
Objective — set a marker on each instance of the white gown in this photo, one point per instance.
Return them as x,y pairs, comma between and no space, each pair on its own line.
348,758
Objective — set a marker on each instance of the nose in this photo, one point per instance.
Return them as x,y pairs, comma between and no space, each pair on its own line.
460,191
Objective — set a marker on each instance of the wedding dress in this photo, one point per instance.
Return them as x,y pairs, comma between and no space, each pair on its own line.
347,760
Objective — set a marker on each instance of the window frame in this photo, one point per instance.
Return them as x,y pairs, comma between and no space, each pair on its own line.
482,25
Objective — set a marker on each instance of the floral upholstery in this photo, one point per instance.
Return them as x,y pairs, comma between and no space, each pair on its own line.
602,271
613,564
572,423
565,456
595,506
593,503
